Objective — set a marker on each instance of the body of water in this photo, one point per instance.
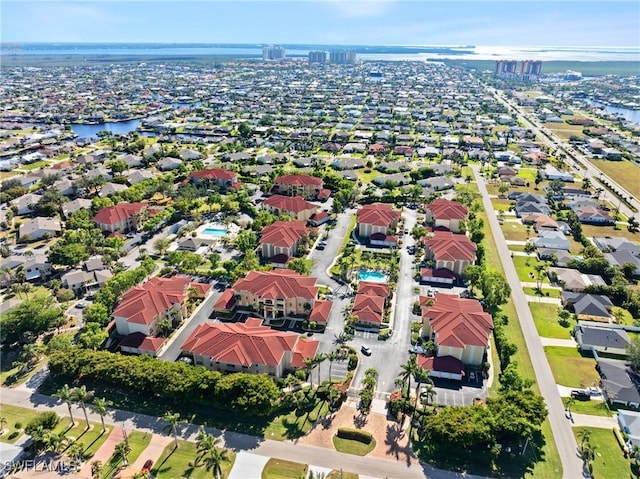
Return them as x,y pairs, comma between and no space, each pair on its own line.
627,113
115,127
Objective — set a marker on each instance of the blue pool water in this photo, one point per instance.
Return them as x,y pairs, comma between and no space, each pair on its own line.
212,231
373,276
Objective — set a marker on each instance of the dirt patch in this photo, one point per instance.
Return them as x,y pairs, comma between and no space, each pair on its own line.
391,440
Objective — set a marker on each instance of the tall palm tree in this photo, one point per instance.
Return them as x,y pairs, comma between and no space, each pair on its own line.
172,419
331,357
406,371
584,435
308,366
429,391
82,396
421,376
100,406
55,442
209,454
96,469
65,394
122,451
319,359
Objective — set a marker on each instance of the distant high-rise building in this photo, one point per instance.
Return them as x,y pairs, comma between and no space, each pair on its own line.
317,56
342,57
531,67
506,67
273,53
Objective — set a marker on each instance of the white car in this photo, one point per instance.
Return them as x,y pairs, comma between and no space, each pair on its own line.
366,350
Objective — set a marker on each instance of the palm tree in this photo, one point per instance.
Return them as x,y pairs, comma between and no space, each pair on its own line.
82,396
319,359
421,376
100,406
172,419
584,435
3,423
429,391
209,454
308,366
407,370
122,451
540,268
331,357
65,394
96,469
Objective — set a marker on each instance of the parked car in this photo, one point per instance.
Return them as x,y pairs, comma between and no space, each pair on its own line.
581,394
148,464
417,350
366,350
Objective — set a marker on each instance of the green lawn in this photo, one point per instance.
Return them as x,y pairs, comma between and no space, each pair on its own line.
609,461
339,474
525,267
13,415
91,438
528,174
296,423
367,175
623,232
564,130
174,463
592,408
281,469
546,292
570,368
500,204
546,318
349,446
622,172
622,316
138,441
35,165
516,232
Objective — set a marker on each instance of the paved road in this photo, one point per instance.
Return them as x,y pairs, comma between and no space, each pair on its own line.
241,442
560,426
584,167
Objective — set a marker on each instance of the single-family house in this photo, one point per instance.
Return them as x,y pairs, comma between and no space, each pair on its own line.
552,239
248,347
71,207
446,213
619,383
602,339
574,280
24,203
588,307
169,163
622,257
629,422
38,228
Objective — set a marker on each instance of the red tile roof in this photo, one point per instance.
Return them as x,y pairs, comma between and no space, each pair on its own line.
305,348
226,302
447,246
214,174
142,304
245,344
374,289
437,273
113,214
368,308
142,342
302,180
377,214
458,322
320,312
284,233
295,204
442,209
278,284
445,364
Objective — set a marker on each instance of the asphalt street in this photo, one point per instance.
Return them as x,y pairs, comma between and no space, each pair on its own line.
560,426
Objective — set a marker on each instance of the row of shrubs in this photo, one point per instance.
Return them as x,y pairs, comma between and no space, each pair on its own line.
354,435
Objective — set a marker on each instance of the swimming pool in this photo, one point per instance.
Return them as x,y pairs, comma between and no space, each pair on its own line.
373,276
214,231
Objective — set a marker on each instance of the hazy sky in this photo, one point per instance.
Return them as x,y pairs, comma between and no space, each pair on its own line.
418,22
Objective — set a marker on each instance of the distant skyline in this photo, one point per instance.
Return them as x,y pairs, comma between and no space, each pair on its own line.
380,22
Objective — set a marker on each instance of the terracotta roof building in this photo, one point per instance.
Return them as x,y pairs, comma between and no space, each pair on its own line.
122,217
377,218
141,307
295,206
218,177
459,327
450,251
276,294
282,237
248,347
446,213
307,186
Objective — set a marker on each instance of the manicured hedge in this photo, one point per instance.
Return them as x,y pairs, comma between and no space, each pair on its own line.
355,435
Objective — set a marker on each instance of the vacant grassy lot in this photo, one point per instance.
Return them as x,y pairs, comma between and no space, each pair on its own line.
570,368
13,415
367,175
623,232
281,469
525,267
546,292
178,462
501,204
609,460
593,408
528,174
516,231
623,172
564,130
546,318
